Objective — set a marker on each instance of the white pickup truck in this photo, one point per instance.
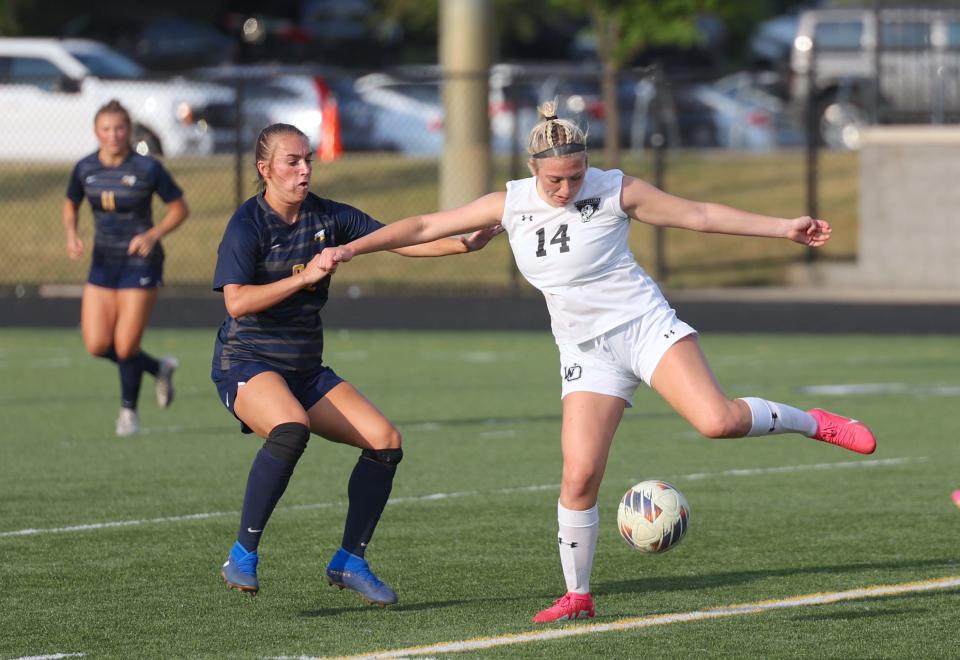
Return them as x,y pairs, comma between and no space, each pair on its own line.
50,90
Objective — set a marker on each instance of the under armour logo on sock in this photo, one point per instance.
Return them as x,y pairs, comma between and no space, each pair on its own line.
572,544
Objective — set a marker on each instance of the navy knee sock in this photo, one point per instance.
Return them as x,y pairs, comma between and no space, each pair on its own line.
268,479
129,378
368,491
131,375
149,363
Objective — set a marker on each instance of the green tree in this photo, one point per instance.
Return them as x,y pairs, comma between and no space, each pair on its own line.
621,29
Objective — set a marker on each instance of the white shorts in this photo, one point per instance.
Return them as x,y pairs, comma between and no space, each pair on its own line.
617,361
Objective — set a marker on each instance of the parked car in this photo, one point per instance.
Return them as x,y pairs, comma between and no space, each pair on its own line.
918,50
408,115
298,96
409,109
50,90
164,44
177,44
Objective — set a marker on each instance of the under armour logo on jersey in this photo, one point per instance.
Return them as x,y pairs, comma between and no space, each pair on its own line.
666,335
572,544
526,218
587,208
573,372
129,180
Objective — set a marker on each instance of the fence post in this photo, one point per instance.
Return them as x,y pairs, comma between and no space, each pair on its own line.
658,141
813,144
513,98
877,50
238,143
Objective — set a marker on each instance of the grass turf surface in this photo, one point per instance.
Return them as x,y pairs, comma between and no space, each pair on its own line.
772,518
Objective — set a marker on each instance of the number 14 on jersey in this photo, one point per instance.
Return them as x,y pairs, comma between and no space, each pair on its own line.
559,238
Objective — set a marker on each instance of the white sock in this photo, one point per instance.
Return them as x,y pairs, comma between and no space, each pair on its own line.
770,417
578,541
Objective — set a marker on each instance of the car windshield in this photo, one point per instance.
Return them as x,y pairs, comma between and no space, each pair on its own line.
109,65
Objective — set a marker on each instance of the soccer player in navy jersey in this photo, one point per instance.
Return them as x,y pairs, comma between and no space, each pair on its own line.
126,269
267,362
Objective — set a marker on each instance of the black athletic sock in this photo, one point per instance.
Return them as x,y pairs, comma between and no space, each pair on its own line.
368,490
131,374
149,363
266,483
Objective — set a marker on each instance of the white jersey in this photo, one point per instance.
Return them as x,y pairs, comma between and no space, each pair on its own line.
578,256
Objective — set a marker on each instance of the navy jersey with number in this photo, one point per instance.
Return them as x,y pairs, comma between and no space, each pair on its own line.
121,198
258,247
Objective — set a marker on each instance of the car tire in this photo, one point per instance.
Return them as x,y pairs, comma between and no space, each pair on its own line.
145,142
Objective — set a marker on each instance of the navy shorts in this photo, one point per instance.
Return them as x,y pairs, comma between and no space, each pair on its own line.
308,388
132,273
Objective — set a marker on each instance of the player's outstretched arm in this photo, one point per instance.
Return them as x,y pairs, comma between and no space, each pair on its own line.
459,245
478,214
646,203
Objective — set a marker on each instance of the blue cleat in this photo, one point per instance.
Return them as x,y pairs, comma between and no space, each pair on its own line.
348,571
240,570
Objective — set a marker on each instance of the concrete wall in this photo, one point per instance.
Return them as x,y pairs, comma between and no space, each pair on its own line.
909,209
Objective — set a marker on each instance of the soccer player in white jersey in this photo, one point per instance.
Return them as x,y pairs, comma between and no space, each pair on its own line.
567,226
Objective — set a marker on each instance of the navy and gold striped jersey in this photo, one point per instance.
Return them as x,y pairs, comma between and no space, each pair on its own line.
258,247
121,199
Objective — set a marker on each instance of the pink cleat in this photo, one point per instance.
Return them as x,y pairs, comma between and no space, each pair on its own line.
956,497
571,606
843,432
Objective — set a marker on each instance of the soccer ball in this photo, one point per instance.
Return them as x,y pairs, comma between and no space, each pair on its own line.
653,516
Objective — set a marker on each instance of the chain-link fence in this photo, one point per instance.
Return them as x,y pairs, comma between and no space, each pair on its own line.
738,140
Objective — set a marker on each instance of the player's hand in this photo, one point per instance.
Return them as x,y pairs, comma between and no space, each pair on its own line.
808,231
142,245
479,239
314,271
332,256
74,247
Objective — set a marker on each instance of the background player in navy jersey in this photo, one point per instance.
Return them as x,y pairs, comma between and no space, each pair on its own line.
267,362
127,264
568,227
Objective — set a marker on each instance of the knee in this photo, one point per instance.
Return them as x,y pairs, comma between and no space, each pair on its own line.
287,441
579,482
100,349
388,438
126,352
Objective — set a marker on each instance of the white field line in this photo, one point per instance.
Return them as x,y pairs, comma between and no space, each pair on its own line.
53,656
634,623
739,472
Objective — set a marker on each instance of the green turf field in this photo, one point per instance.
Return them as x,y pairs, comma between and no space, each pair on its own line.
111,548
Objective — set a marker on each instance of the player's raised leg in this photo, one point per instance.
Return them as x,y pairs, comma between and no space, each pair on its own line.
684,379
589,423
344,415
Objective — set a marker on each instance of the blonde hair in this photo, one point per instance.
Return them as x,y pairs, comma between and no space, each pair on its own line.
550,137
267,145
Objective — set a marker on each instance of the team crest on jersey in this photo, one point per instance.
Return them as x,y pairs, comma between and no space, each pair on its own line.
587,208
320,236
129,180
